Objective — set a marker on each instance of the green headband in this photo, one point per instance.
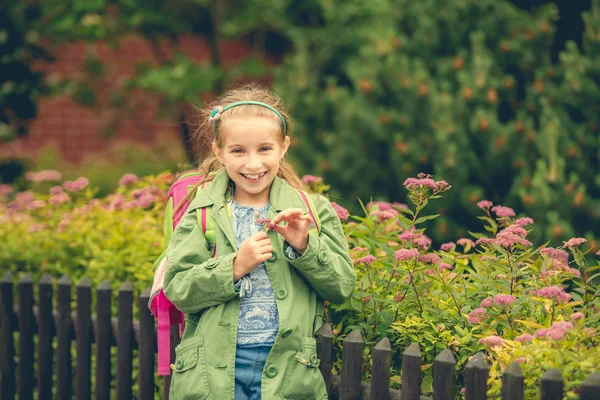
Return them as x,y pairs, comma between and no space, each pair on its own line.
215,114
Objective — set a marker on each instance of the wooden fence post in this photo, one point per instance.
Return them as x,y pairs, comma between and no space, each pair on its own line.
83,343
380,378
64,374
46,332
552,385
590,388
411,373
476,375
513,382
25,369
324,351
103,335
352,353
7,345
124,347
443,376
146,348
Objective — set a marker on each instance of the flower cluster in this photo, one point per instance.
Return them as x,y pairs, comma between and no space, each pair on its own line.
553,292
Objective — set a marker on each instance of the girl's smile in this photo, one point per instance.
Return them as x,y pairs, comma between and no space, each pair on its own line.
251,153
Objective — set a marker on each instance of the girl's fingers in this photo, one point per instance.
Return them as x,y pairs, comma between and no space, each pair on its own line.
286,215
266,249
260,236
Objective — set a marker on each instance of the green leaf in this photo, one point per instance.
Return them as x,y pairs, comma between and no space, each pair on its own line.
426,218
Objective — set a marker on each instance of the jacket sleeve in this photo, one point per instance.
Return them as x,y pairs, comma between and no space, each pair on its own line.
326,262
194,280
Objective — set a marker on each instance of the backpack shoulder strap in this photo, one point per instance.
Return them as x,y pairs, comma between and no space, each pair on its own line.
312,211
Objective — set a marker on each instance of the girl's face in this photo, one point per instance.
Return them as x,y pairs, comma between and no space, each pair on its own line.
251,154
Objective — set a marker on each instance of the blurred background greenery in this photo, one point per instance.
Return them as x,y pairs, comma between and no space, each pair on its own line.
500,98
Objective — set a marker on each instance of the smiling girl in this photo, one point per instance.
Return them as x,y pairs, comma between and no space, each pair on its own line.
252,310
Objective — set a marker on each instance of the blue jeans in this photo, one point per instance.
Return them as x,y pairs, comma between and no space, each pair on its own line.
249,365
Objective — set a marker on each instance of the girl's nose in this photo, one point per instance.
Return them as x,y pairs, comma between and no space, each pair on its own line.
253,163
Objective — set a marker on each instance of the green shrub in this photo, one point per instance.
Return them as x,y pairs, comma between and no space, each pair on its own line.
470,296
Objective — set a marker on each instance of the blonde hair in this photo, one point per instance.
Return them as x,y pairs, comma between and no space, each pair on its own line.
246,92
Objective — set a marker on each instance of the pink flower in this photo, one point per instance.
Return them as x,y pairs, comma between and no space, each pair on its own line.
598,253
430,258
577,316
62,225
444,266
131,204
574,242
359,249
406,254
422,241
408,236
442,186
366,260
43,176
424,182
486,302
77,185
56,190
128,179
524,338
399,298
465,242
504,299
575,272
448,246
512,235
476,316
540,333
562,325
484,240
520,360
553,292
524,221
36,228
341,212
491,341
36,204
116,201
380,205
308,179
556,334
503,212
383,216
59,198
145,200
5,189
485,204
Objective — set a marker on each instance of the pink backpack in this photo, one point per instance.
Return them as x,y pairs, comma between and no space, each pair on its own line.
164,311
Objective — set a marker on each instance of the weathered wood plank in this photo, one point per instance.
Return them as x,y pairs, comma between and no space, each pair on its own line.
124,342
411,373
443,375
352,366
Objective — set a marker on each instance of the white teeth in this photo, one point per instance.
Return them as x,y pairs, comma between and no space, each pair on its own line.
254,177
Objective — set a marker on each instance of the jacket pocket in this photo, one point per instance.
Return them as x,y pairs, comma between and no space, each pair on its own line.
189,381
303,379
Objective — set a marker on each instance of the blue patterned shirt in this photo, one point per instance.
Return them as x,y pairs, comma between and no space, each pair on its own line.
258,321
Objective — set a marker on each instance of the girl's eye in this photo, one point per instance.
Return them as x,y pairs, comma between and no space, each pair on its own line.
265,148
236,150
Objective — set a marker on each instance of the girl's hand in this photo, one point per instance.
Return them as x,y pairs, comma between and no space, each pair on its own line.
254,251
295,231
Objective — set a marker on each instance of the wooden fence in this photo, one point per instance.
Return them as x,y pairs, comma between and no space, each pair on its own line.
85,328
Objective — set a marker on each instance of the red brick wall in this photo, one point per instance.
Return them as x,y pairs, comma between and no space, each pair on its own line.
78,130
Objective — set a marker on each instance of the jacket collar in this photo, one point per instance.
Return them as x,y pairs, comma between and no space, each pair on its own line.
282,196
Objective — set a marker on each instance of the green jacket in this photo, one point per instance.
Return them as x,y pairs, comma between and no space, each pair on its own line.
202,287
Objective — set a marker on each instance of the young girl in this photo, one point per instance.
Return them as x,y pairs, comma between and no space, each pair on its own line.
252,310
